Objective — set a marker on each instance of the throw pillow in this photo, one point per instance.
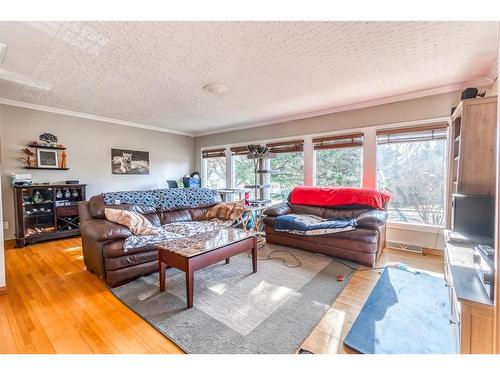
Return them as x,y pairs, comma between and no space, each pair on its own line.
232,211
138,224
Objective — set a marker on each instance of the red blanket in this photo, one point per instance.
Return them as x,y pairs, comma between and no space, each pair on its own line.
330,196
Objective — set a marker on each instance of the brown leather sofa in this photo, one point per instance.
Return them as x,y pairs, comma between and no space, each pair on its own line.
102,240
362,245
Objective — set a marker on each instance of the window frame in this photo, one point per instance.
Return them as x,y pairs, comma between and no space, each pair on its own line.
210,154
335,142
421,227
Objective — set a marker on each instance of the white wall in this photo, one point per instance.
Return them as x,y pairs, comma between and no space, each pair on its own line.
89,146
2,251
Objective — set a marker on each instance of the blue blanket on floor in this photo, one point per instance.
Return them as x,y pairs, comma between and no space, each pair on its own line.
311,225
406,313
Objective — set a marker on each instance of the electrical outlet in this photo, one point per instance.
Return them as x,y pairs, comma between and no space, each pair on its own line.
5,225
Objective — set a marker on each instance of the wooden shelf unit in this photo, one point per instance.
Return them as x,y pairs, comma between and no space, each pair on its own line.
473,133
54,217
472,310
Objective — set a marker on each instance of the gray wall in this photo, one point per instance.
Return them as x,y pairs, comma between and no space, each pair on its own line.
89,146
409,110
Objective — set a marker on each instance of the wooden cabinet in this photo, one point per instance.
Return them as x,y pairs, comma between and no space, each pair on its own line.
45,212
473,147
472,311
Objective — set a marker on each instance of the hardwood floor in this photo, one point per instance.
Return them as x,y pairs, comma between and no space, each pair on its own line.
53,305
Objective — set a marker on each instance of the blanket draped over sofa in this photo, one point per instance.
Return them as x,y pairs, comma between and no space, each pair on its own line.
103,241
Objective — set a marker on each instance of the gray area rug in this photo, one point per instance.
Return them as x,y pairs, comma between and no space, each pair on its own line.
235,311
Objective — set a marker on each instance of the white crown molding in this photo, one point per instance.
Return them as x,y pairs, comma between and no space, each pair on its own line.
88,116
493,73
483,81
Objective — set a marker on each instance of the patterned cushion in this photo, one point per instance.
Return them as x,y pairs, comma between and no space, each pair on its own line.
166,199
311,225
138,224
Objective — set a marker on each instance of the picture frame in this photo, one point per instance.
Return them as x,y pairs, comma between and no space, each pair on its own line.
129,162
46,158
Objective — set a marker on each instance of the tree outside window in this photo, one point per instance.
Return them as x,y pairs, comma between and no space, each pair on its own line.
414,172
215,172
338,167
243,173
288,172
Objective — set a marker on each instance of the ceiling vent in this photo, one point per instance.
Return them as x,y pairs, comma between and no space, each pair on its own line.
3,51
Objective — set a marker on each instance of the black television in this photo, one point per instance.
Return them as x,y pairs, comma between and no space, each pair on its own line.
473,215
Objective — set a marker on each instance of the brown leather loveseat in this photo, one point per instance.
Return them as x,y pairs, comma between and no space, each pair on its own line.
103,241
362,245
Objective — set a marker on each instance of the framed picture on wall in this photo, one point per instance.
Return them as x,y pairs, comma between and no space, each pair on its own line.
46,158
129,161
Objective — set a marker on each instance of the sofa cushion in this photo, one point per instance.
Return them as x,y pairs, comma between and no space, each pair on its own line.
372,219
174,216
137,223
311,225
282,208
102,230
130,260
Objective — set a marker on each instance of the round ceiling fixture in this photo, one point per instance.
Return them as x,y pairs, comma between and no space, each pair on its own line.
215,88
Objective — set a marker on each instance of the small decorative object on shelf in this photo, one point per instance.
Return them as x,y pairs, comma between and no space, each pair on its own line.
46,158
37,197
29,159
46,212
62,162
48,138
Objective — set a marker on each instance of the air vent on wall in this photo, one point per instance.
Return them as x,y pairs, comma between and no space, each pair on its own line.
404,247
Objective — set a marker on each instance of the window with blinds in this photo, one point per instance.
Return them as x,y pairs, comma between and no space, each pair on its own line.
214,168
218,153
243,169
419,134
339,141
288,146
338,160
287,168
243,150
412,165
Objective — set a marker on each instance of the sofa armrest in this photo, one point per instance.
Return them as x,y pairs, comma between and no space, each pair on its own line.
372,219
102,230
278,209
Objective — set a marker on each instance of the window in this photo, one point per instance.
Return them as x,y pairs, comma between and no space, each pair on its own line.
287,168
243,169
214,168
412,166
338,160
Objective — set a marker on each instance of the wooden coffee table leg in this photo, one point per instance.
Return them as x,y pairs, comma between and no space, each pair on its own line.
189,287
254,255
163,268
227,260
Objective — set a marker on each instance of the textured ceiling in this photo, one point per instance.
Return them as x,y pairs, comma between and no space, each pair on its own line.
153,72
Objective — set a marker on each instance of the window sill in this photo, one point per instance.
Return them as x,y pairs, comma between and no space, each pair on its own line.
425,228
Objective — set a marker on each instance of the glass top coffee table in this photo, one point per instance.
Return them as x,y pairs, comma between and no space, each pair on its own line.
195,252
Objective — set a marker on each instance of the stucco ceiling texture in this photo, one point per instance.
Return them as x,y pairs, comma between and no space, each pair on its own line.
153,72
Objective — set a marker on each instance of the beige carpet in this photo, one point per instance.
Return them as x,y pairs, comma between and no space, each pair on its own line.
235,311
